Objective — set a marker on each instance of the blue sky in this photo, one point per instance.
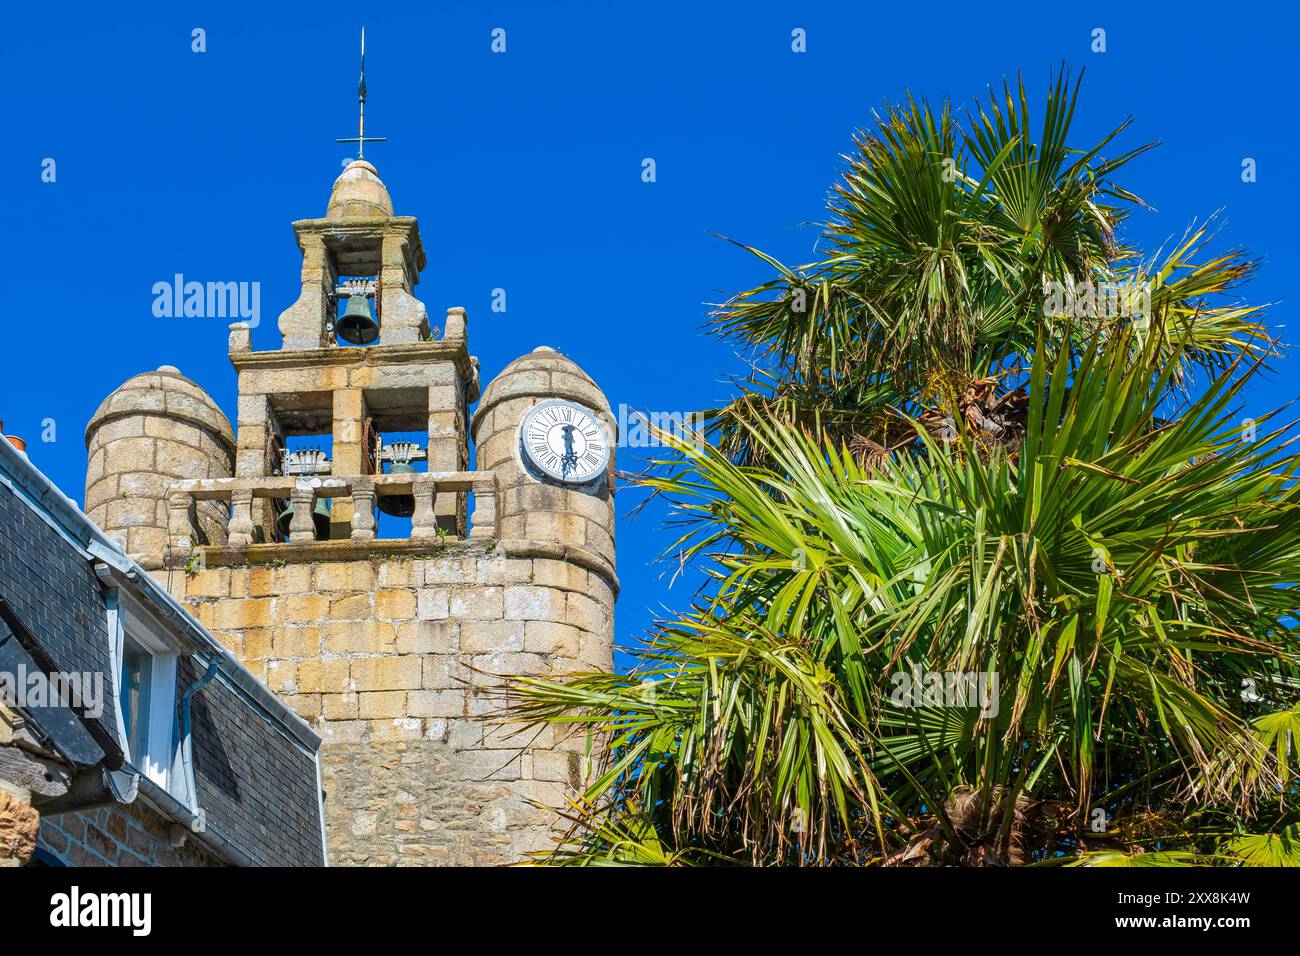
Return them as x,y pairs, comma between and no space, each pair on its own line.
524,169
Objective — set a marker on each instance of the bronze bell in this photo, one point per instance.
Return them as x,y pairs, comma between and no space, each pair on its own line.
320,518
355,323
399,506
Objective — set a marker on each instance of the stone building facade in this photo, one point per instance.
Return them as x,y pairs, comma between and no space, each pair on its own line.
393,648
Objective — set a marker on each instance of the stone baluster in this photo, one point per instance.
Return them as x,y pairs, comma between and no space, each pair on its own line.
484,522
363,510
424,524
240,531
178,522
302,527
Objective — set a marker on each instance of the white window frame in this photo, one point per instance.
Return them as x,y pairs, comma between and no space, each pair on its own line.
161,762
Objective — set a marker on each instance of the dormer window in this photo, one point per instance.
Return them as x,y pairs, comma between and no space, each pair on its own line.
147,697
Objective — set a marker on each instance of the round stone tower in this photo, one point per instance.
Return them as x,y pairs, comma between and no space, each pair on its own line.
532,506
156,428
566,522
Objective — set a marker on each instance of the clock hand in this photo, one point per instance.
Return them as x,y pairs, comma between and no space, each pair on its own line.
570,460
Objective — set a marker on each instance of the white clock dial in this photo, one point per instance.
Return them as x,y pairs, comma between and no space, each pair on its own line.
565,441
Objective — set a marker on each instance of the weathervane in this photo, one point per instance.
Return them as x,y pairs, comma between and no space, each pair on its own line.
361,138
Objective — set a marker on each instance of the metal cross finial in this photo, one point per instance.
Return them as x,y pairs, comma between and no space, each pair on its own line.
361,138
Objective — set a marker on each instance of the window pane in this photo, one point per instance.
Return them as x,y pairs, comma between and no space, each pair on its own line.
136,677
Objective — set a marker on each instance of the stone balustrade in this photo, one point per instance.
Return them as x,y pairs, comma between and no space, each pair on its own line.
424,487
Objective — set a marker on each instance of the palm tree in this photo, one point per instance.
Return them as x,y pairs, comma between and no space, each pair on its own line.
944,245
988,583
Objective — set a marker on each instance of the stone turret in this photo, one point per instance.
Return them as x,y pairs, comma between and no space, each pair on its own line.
531,506
535,511
157,428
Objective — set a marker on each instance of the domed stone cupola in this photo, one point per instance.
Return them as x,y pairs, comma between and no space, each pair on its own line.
359,193
157,428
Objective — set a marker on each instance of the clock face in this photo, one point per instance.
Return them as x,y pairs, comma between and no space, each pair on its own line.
565,441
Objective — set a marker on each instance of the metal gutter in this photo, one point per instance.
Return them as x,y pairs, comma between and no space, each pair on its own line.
187,750
320,804
168,806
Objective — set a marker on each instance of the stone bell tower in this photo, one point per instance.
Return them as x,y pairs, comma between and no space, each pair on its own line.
408,381
393,640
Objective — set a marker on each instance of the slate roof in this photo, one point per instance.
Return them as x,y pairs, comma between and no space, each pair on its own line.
255,761
52,589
